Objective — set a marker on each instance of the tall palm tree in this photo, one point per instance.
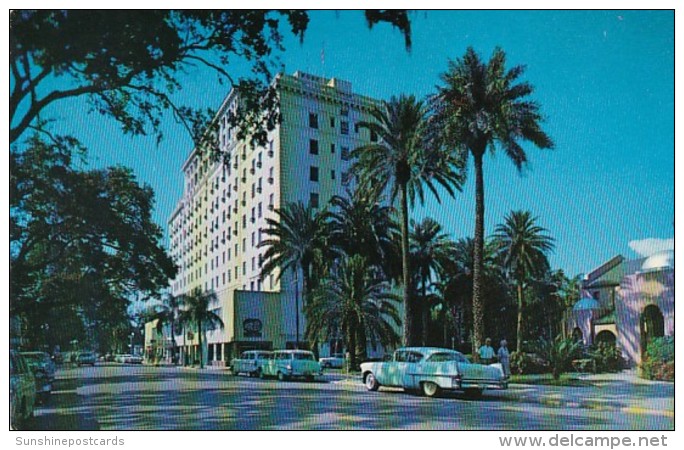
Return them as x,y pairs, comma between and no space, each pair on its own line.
295,240
357,304
481,105
196,313
168,313
361,225
430,252
523,246
404,161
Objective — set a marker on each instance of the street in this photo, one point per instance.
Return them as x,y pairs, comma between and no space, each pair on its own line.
134,397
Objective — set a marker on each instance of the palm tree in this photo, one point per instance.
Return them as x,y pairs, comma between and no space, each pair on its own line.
361,225
481,106
523,246
458,277
196,312
430,252
168,313
405,159
357,304
296,240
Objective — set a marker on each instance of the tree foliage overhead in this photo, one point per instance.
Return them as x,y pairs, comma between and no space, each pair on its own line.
127,63
79,235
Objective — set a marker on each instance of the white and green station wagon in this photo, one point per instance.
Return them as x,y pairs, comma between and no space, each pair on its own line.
431,370
286,364
250,362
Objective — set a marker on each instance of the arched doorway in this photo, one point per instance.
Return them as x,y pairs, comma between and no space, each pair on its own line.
606,337
652,325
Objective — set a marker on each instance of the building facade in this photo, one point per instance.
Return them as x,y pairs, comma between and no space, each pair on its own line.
218,224
627,303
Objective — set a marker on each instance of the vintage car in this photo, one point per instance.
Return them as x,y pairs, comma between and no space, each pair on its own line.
334,361
431,370
286,364
22,391
249,362
86,358
43,369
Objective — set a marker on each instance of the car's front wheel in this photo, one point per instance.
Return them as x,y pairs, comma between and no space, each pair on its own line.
430,389
371,382
281,376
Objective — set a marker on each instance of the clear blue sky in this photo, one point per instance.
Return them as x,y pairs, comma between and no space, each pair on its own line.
604,79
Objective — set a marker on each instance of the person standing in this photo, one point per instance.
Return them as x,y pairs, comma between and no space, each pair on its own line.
504,358
486,352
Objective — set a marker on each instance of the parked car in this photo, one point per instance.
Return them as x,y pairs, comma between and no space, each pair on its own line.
86,358
286,364
22,391
132,359
334,361
432,370
43,369
250,362
120,358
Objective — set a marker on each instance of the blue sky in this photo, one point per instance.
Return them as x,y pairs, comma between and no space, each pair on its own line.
604,79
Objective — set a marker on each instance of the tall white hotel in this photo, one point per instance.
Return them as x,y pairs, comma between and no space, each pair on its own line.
217,225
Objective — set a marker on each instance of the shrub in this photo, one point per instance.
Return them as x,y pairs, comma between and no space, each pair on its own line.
559,353
606,357
658,361
527,364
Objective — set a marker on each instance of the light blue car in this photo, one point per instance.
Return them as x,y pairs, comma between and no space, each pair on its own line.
431,370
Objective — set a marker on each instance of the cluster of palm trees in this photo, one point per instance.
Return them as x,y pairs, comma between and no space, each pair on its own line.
192,311
480,106
353,255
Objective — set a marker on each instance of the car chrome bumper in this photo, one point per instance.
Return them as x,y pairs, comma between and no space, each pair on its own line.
458,384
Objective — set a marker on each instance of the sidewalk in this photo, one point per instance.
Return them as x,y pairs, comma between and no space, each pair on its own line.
621,392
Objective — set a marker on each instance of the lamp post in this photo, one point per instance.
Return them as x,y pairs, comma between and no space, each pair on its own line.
131,343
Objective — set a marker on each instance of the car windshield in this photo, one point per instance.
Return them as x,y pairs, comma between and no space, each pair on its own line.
447,356
304,356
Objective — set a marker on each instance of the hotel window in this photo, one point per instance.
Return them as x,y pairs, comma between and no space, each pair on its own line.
251,285
332,122
253,238
332,148
313,120
344,127
313,146
332,174
356,127
313,199
345,154
313,173
244,267
253,264
259,210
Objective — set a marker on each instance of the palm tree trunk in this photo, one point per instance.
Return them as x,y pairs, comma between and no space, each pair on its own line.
409,338
478,300
351,347
518,330
199,339
424,312
296,282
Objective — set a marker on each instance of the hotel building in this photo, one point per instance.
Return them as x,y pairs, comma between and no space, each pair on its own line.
216,227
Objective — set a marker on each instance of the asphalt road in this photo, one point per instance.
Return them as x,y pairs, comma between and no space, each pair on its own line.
122,397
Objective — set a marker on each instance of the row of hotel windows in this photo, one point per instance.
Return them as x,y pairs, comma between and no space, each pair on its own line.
344,125
213,283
